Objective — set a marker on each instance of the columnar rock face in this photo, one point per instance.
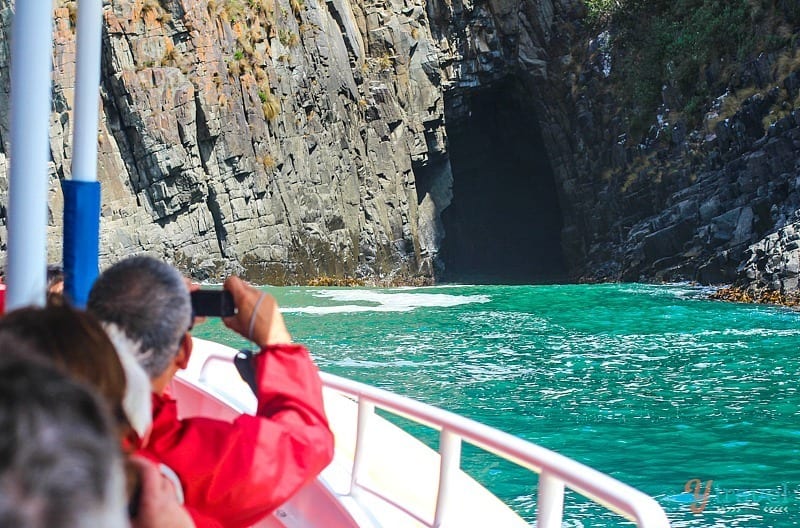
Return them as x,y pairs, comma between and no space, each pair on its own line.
277,137
284,137
293,139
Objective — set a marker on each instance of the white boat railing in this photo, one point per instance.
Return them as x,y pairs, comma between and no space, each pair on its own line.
555,471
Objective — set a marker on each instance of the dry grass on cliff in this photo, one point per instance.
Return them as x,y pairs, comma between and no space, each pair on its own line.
233,10
787,62
152,11
297,6
262,6
270,104
783,107
268,162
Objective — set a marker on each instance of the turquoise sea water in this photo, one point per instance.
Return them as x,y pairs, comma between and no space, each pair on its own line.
652,384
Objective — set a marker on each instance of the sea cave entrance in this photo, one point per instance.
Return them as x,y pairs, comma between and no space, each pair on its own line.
503,225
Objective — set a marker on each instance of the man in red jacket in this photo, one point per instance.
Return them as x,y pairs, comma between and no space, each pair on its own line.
232,474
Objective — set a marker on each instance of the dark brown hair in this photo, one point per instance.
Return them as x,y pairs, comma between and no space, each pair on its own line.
75,342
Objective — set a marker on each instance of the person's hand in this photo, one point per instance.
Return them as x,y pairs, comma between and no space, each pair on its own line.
158,502
258,311
193,286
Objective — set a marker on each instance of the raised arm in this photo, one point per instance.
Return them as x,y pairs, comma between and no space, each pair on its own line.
240,472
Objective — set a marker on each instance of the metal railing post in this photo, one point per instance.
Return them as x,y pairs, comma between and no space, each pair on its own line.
365,410
450,453
556,471
550,501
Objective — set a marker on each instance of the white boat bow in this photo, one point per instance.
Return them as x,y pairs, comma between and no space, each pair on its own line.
382,476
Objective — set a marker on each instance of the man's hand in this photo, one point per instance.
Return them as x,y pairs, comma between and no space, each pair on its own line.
267,323
158,503
193,286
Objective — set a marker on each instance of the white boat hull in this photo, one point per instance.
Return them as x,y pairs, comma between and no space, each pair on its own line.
401,472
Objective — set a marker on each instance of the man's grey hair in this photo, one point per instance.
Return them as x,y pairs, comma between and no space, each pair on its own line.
147,299
60,464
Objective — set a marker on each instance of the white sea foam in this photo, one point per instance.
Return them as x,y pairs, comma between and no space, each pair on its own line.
385,302
344,308
433,287
679,290
747,332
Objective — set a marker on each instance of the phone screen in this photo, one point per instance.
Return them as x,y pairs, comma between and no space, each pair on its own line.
212,303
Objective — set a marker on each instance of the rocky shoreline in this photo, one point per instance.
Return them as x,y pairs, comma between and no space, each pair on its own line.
351,282
742,295
728,293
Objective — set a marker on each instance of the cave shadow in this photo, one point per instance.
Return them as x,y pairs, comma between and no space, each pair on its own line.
504,223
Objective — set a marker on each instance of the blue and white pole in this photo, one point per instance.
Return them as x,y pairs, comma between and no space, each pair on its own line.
82,192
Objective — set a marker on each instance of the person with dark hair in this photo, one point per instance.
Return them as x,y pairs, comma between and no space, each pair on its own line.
55,279
60,465
75,343
239,472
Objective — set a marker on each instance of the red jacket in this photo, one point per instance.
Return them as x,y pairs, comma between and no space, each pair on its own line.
237,473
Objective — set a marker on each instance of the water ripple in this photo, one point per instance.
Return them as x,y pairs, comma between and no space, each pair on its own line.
652,384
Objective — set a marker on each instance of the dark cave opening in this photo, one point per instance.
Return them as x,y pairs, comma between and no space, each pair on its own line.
504,223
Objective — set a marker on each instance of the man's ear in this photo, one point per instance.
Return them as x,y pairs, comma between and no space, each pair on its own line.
185,352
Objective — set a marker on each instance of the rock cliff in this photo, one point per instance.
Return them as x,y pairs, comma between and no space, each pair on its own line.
409,140
277,137
713,198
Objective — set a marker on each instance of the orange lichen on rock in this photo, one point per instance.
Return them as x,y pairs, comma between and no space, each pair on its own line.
737,294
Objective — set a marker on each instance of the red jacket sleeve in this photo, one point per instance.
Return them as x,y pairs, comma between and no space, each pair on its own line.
240,472
201,521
